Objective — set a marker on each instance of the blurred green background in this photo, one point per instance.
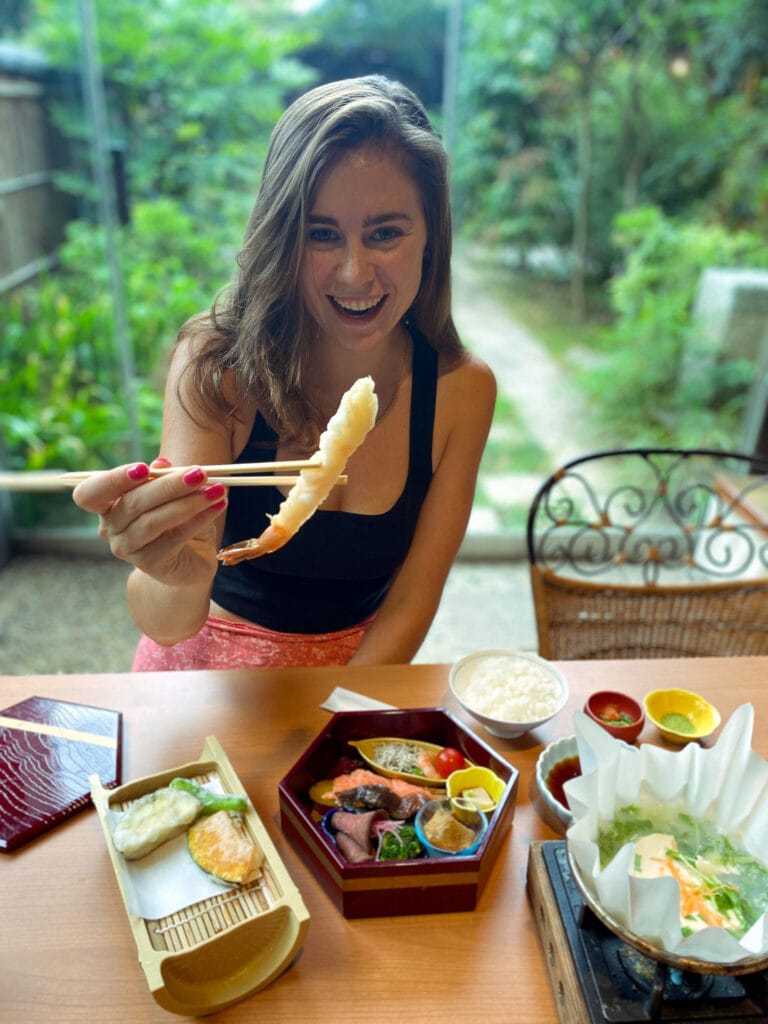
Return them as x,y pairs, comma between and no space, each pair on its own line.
604,155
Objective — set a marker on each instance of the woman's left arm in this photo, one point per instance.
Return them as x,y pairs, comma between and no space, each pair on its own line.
464,410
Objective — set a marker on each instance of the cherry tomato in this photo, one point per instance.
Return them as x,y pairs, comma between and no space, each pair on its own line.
449,760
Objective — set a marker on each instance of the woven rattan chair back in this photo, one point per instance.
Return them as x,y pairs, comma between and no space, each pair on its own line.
651,553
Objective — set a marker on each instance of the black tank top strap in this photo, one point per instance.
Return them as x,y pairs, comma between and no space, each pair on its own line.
261,444
423,401
263,438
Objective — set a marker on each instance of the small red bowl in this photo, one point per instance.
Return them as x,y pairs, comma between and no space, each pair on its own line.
620,715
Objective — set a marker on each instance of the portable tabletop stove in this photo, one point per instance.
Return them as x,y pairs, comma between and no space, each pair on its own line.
597,978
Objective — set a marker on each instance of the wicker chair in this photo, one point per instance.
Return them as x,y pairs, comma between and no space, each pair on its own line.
651,553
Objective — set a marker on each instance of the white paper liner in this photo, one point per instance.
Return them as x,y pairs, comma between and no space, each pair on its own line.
727,782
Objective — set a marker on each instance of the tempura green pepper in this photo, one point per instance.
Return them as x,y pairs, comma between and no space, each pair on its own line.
210,801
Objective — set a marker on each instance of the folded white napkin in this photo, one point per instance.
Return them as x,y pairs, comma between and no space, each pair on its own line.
348,700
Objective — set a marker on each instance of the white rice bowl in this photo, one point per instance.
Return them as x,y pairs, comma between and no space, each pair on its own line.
509,692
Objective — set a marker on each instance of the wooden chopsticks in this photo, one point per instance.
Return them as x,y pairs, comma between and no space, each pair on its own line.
236,474
271,474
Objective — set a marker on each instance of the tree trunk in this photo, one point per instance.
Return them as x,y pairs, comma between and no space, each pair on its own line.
580,243
632,139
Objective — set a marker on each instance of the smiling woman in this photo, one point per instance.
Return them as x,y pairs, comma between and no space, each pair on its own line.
344,275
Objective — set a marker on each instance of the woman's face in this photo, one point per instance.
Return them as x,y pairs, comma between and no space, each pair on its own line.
362,260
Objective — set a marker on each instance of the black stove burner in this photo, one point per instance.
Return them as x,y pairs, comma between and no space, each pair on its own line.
650,976
623,986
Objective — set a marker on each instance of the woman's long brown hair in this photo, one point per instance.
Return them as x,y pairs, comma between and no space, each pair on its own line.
258,329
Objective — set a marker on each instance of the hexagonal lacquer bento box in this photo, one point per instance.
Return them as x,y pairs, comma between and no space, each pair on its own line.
387,888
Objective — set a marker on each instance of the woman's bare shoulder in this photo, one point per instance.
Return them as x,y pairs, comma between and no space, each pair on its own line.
466,398
466,374
197,336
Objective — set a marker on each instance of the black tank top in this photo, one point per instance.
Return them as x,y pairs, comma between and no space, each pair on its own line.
336,570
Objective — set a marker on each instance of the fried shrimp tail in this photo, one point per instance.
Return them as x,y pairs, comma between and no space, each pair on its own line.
346,431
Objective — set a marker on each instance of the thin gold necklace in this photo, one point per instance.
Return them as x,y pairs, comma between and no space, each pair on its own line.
400,375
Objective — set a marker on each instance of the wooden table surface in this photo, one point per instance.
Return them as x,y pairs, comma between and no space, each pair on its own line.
66,949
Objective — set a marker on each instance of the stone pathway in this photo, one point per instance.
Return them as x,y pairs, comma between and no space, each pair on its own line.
550,407
485,605
552,410
489,604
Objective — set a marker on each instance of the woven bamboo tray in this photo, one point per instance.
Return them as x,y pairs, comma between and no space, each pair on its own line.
215,952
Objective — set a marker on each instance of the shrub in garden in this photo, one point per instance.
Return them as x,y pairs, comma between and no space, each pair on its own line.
62,396
639,386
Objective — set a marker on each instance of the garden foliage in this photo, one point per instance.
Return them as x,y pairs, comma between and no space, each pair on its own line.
616,145
62,397
193,91
657,382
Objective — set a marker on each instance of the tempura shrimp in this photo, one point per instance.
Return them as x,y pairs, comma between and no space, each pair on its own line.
346,431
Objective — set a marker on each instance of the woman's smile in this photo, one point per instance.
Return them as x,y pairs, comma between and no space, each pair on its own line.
358,309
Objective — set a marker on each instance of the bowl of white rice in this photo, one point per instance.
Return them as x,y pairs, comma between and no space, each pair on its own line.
509,692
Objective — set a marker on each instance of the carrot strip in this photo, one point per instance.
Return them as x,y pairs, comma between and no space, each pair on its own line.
692,900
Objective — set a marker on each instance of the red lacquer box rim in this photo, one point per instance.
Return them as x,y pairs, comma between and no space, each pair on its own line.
395,887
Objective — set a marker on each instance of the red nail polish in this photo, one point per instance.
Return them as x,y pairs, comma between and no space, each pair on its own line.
193,477
219,505
214,492
138,472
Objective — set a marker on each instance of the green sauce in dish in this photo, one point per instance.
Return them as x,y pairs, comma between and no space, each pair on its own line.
677,722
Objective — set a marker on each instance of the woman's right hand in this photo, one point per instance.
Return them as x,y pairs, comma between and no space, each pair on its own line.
163,525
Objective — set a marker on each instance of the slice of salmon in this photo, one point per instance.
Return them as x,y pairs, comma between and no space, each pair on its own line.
363,777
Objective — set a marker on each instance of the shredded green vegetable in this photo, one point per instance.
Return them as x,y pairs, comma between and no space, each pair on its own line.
400,845
732,878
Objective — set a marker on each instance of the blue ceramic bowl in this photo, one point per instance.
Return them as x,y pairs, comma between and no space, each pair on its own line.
452,809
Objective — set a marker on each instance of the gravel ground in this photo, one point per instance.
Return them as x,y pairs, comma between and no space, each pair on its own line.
64,614
60,614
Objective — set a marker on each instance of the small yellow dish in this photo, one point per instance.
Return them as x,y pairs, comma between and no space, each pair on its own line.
465,780
681,715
